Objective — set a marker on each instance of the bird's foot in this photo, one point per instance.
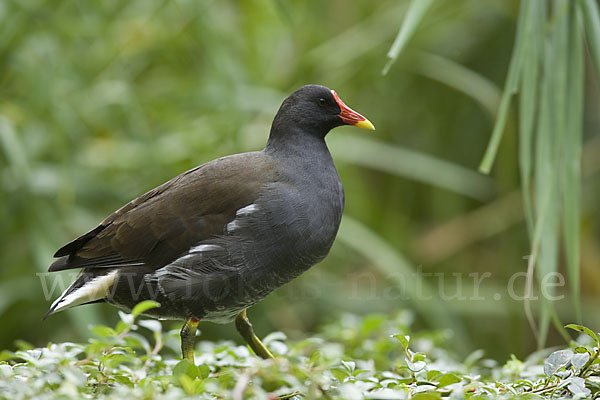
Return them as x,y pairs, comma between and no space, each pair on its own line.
244,327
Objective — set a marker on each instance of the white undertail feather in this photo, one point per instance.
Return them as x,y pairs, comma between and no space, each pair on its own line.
94,289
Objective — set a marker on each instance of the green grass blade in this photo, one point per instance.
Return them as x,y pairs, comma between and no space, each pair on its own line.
551,130
589,9
534,41
542,207
543,191
571,148
510,87
421,167
414,15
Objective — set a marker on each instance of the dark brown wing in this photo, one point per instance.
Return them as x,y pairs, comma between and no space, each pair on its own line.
157,227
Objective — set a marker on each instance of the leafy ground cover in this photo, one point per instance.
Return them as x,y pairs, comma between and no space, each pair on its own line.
374,357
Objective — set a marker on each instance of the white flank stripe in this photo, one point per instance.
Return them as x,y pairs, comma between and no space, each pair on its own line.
159,273
247,210
93,289
204,247
242,212
123,265
233,225
187,256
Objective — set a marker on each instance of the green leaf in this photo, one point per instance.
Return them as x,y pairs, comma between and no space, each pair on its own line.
137,342
23,345
103,331
191,386
7,355
414,15
411,164
403,339
372,323
447,379
510,86
185,367
556,361
433,374
551,127
528,102
113,360
581,349
589,9
428,395
577,387
579,360
472,358
151,324
203,371
30,356
123,380
571,148
121,327
143,307
415,366
349,366
584,330
339,374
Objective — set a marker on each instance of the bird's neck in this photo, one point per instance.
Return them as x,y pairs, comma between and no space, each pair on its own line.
294,141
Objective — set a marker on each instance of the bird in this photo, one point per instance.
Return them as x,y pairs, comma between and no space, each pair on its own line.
213,241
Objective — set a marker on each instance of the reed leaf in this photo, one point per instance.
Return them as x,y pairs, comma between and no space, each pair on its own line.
529,91
411,164
591,14
415,13
572,148
510,88
547,69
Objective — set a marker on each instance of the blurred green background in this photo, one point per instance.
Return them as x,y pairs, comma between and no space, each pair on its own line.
102,101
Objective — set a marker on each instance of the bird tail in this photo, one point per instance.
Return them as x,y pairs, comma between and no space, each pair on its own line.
89,287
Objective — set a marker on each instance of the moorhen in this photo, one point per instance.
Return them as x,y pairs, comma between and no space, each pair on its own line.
218,238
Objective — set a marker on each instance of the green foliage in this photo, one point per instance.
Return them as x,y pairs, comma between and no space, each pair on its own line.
548,59
351,358
101,101
547,72
143,307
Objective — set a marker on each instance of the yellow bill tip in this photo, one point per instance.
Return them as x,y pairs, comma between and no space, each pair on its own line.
365,124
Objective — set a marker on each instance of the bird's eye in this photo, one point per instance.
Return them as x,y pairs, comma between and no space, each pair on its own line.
322,101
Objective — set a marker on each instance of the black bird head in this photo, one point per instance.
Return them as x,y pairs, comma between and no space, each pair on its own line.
315,109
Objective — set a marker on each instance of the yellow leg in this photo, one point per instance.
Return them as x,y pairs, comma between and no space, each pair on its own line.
244,327
188,338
